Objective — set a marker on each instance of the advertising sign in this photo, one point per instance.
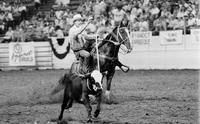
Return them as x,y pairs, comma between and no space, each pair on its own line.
171,37
21,54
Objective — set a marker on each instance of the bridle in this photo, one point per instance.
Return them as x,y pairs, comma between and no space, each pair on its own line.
119,36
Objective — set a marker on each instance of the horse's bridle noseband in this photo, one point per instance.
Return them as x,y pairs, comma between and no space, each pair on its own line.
118,43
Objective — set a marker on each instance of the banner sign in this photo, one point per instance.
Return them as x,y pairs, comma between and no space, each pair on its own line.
171,37
195,33
60,46
21,54
141,38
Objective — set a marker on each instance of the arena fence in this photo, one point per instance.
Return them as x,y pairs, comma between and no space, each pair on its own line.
169,50
43,57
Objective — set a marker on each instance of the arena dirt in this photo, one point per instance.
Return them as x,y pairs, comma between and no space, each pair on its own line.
138,97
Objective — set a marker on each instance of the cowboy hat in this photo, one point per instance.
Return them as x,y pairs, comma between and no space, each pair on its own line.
77,17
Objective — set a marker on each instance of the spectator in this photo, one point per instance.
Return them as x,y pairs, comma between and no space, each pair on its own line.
143,24
23,10
51,28
172,23
37,4
8,36
180,24
18,35
59,14
191,22
135,25
154,10
157,25
58,32
181,13
118,14
166,12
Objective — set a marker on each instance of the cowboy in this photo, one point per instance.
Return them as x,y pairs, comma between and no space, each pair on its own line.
78,40
78,37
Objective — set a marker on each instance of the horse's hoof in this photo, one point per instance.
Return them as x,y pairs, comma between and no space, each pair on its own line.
89,120
54,120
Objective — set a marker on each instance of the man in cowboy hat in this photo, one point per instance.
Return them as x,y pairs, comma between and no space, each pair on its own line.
78,40
78,37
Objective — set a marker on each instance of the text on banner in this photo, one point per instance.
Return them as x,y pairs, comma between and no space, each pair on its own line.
171,37
141,38
21,54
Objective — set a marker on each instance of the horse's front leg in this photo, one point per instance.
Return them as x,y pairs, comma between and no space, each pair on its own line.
109,77
98,109
123,67
88,107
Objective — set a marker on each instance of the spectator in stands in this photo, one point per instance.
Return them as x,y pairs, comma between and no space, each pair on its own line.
51,29
23,11
18,35
58,32
52,13
143,24
37,4
173,21
193,22
2,27
8,36
87,5
45,29
135,26
180,24
154,10
127,6
165,12
118,14
157,25
59,14
9,19
181,13
190,21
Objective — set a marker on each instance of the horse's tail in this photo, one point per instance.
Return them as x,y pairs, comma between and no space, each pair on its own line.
60,86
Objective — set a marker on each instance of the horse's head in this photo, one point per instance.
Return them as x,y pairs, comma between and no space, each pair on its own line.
122,36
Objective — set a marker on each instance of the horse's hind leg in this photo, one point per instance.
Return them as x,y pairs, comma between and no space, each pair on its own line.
98,109
88,108
64,104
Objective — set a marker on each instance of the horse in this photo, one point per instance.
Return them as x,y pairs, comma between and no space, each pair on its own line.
73,91
108,51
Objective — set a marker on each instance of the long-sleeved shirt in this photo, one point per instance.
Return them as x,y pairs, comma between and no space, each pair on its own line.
77,37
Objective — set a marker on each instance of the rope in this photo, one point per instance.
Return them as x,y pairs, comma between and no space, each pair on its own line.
97,50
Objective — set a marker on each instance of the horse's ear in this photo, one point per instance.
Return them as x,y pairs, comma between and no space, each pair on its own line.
127,23
124,24
121,24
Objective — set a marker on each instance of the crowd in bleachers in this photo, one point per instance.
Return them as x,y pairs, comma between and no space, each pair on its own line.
142,15
12,13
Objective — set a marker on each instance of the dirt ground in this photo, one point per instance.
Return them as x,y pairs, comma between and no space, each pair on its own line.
139,97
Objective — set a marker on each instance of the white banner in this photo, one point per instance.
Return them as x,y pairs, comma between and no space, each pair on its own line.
141,38
171,37
195,33
21,54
